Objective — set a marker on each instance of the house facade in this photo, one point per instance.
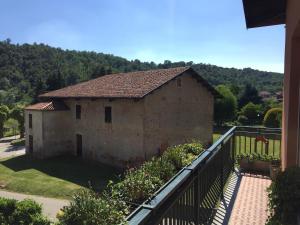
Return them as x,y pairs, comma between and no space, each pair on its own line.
122,119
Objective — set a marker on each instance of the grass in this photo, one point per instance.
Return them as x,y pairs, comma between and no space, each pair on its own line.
58,177
247,145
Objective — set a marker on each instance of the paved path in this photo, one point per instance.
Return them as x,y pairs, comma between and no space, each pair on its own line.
250,206
7,150
50,205
245,201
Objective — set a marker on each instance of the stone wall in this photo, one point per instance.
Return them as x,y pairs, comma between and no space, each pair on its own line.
175,115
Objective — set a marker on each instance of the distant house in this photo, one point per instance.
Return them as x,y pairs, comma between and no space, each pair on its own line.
124,118
265,94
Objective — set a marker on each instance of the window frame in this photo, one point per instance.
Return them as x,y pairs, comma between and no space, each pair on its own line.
30,120
108,114
78,112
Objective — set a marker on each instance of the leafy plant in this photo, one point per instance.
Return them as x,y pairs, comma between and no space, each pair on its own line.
26,212
255,157
134,187
284,197
88,208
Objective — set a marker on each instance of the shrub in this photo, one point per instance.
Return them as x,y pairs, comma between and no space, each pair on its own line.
137,186
273,118
87,208
26,212
284,197
7,207
255,156
160,168
182,155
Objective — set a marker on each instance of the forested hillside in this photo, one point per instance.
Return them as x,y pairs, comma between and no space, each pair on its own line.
28,70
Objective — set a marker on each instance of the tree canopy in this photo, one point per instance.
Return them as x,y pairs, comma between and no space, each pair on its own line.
29,70
225,107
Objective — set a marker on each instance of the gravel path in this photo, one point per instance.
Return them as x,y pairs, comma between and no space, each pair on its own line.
50,205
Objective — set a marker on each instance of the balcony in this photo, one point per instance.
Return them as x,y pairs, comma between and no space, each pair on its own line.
213,189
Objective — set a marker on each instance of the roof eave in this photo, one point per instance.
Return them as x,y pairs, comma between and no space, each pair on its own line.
260,13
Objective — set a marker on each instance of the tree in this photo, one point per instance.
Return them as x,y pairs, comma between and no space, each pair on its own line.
3,116
250,94
250,114
226,106
273,118
17,113
98,71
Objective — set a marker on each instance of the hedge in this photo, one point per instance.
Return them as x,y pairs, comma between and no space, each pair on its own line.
119,199
26,212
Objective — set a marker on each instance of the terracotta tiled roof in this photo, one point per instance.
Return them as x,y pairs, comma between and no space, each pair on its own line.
122,85
48,106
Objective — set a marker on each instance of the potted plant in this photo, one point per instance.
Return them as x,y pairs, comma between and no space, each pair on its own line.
255,162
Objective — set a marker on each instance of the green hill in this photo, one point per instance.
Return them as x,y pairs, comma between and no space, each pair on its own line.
28,70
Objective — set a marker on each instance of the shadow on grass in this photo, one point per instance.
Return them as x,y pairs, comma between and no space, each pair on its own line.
68,168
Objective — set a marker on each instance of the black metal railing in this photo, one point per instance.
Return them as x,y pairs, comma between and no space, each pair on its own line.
192,195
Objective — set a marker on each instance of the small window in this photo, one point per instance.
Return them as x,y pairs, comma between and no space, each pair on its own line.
30,120
78,112
30,144
178,82
108,114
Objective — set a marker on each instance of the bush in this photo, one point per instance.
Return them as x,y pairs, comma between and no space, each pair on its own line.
26,212
284,197
160,168
87,208
273,118
7,207
136,186
182,155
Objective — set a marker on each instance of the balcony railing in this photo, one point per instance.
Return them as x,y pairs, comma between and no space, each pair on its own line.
192,195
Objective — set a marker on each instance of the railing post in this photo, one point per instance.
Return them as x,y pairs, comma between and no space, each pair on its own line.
196,198
233,150
222,170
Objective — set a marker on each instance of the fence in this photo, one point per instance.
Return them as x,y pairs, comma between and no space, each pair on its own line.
192,195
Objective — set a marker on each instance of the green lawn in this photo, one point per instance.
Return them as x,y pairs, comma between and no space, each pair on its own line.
59,177
247,145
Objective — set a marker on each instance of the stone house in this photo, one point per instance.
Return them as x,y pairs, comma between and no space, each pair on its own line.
122,119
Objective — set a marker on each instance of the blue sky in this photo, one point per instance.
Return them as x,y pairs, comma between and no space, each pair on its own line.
207,31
